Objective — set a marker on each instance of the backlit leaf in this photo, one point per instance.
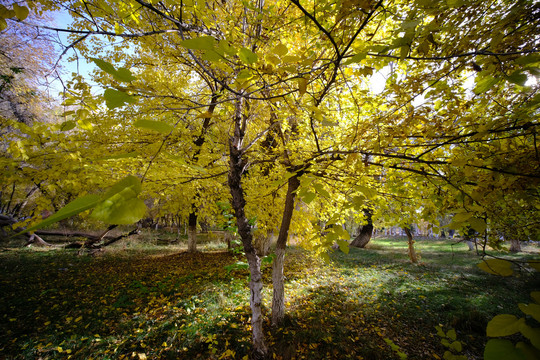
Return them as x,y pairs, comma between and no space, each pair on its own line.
531,309
343,246
368,192
309,197
478,224
120,204
460,217
357,58
533,334
124,74
73,208
104,65
497,267
158,126
503,325
247,56
199,43
518,78
21,12
115,98
528,59
302,86
280,50
68,125
484,84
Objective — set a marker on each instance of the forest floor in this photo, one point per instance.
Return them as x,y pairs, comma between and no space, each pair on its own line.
159,302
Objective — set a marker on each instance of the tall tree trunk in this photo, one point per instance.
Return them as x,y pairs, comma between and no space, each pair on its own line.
192,232
411,251
364,236
278,298
237,166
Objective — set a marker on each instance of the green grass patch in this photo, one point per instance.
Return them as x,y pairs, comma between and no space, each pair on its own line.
156,301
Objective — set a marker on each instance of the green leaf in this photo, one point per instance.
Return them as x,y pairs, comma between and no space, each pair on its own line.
6,13
504,325
533,334
280,50
115,98
325,257
440,331
120,204
158,126
356,58
73,208
224,46
21,12
461,217
321,190
497,267
129,182
478,224
199,43
451,334
124,74
518,78
247,56
530,352
484,84
3,24
122,156
302,86
343,246
536,296
528,59
309,197
368,192
455,3
104,65
212,55
456,345
531,309
499,349
68,125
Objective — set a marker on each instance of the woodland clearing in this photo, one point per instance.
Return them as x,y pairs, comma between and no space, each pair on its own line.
149,301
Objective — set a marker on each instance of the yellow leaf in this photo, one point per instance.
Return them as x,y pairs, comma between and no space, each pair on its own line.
497,267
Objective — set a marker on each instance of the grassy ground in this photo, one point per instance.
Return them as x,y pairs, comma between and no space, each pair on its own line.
158,302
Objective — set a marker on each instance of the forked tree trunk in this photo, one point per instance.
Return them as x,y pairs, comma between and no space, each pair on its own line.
192,232
411,251
364,236
278,281
237,166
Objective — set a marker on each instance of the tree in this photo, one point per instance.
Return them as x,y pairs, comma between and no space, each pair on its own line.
365,231
300,72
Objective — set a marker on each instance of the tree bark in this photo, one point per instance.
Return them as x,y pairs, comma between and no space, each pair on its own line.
237,166
364,236
192,232
515,245
278,280
411,251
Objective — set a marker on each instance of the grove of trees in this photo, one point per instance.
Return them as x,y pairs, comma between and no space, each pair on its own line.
300,114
